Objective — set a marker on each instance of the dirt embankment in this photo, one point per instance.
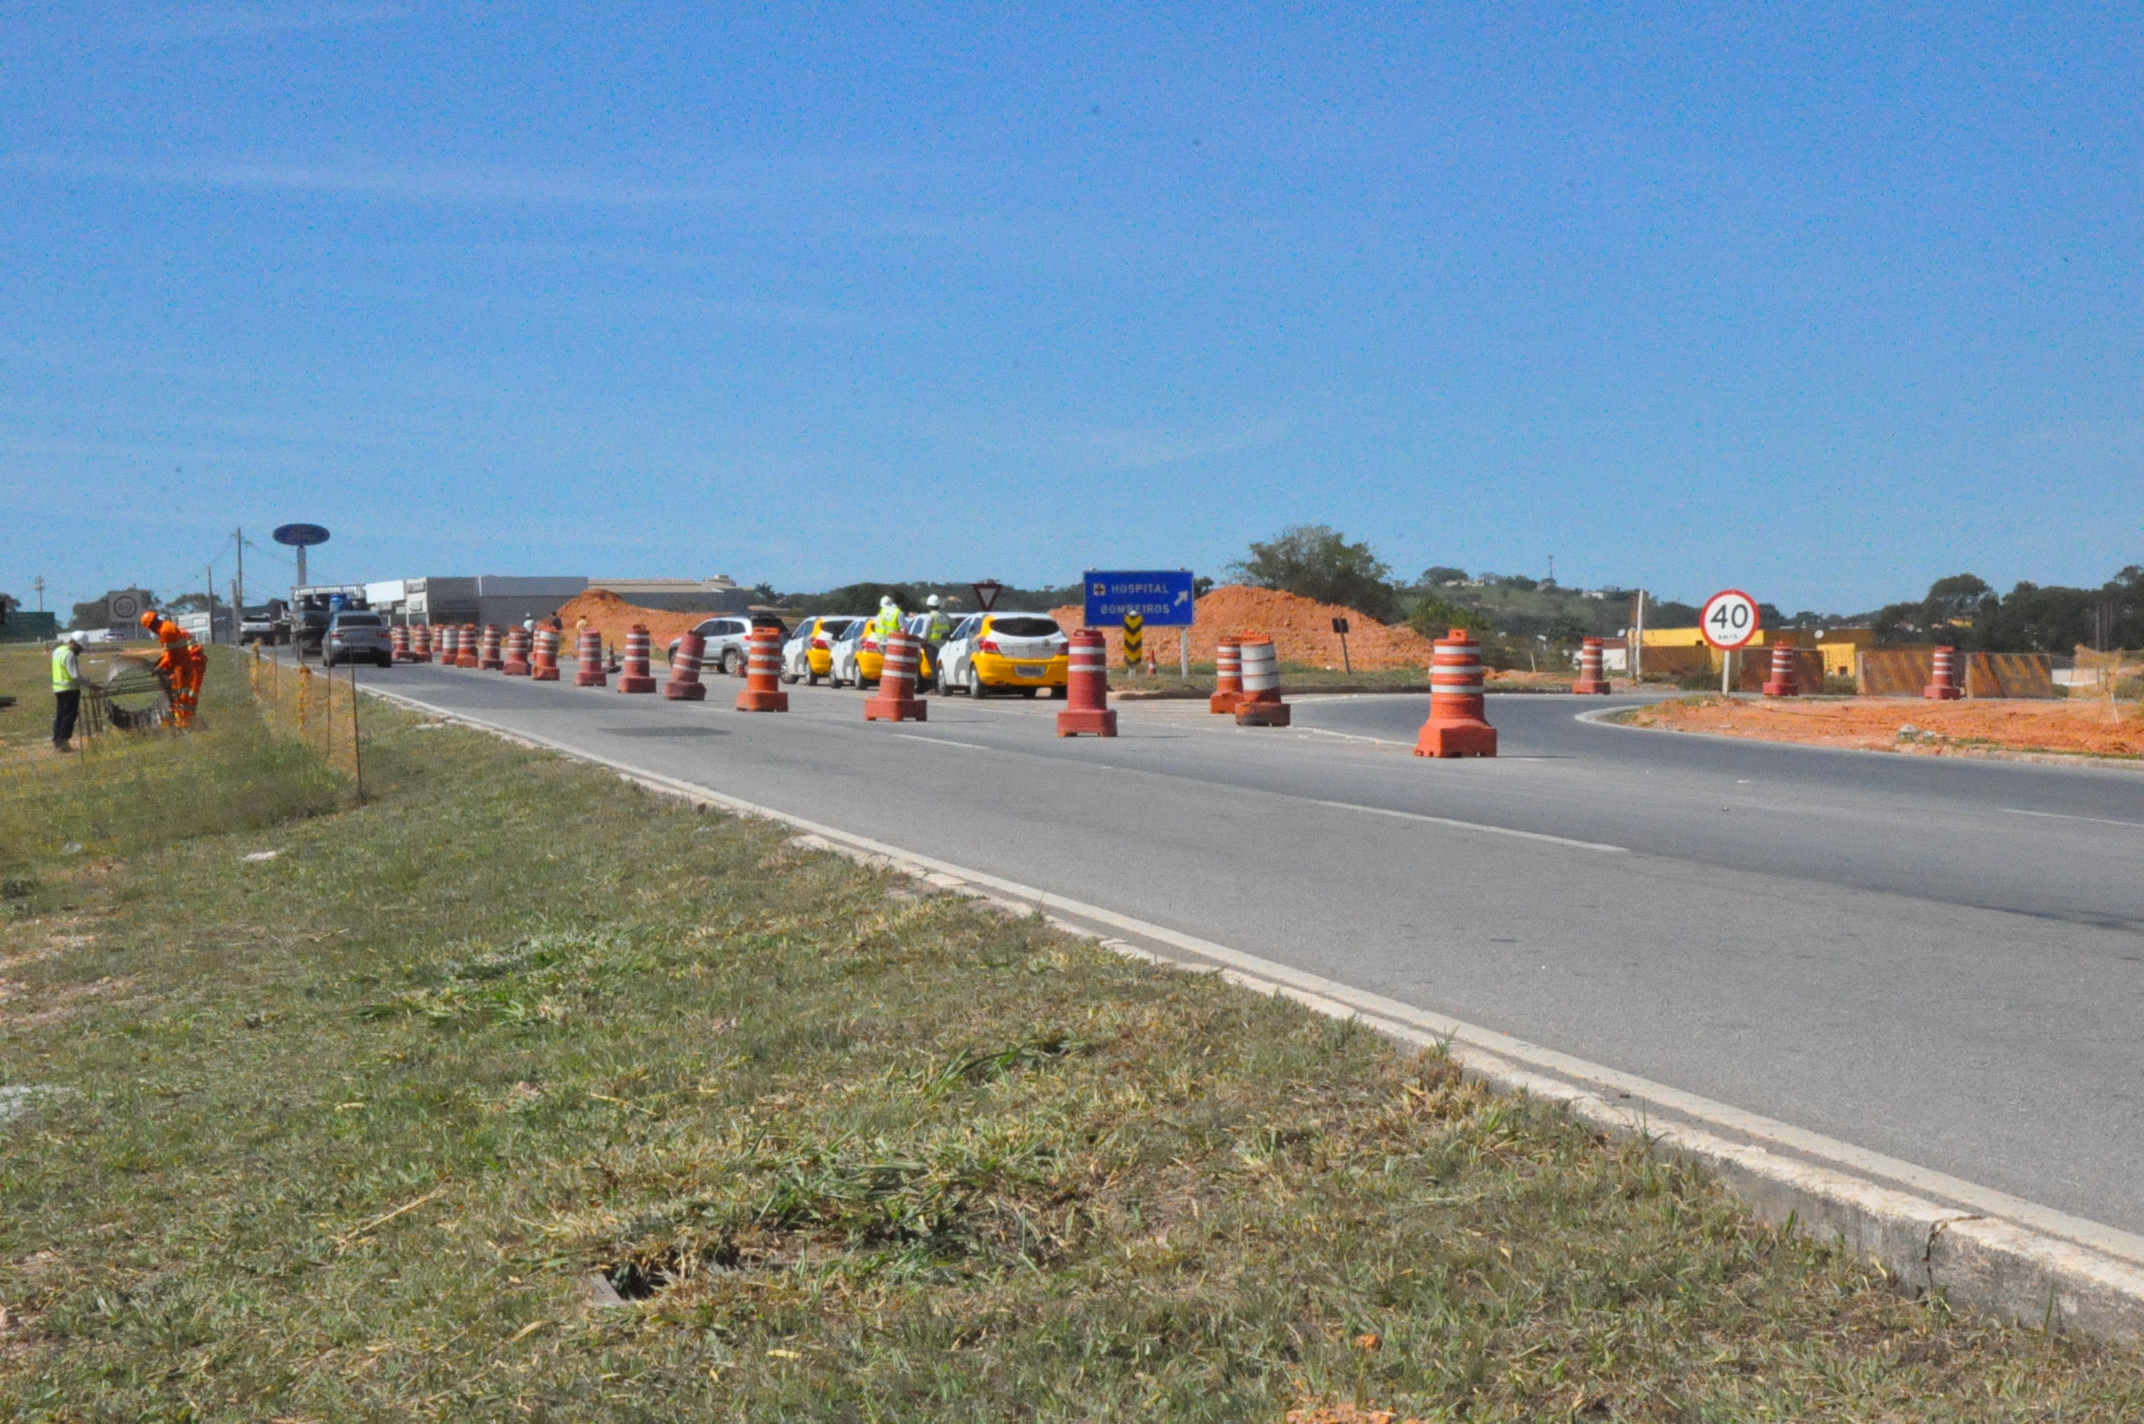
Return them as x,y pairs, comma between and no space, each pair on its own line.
2083,726
1301,629
611,616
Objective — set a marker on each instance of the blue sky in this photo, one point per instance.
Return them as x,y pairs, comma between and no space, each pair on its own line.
1820,302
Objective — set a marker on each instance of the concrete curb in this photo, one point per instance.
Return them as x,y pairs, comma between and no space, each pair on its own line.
1980,1248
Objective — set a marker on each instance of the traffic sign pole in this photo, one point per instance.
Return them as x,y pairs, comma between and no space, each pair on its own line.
1728,622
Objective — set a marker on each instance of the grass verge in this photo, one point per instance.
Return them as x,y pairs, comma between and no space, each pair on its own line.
344,1134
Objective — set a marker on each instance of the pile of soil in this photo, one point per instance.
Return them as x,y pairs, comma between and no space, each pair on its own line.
611,616
2086,725
1301,629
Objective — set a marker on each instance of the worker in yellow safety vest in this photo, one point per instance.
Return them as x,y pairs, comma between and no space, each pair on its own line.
66,691
888,621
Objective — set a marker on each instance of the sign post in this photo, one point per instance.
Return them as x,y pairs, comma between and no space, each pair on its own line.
1340,627
1728,623
1163,598
300,537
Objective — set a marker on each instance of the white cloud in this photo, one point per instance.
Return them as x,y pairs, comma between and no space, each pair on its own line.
450,183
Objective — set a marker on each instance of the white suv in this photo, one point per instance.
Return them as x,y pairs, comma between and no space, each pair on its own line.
728,639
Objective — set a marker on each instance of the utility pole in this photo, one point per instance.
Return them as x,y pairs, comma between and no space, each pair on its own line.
211,603
238,596
38,583
1637,642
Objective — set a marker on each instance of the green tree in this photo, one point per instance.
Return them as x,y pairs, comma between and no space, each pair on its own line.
1433,617
1315,561
1438,575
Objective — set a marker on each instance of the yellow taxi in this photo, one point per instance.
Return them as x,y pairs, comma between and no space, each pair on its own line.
1005,652
809,653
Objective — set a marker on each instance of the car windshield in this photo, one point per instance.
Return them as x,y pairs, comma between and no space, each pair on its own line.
1014,626
357,620
835,627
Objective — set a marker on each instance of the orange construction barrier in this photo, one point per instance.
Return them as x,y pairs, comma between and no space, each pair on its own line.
684,684
469,656
1456,727
1943,681
1227,675
1087,712
420,643
591,650
1592,677
896,700
398,643
763,673
489,658
545,666
517,653
1260,704
1782,682
636,677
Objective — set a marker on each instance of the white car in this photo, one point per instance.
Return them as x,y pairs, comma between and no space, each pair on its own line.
729,641
1004,652
841,669
809,653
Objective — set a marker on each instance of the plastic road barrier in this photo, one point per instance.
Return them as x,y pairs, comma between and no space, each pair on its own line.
488,658
1943,681
545,666
1782,682
763,674
1087,688
684,684
517,653
398,642
1260,704
420,643
636,677
896,700
1227,675
1456,727
591,654
469,656
1592,678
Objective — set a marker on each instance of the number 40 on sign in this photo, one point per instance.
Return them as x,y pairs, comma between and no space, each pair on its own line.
1728,622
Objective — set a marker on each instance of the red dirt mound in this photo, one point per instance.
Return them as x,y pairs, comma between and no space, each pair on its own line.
611,616
1301,629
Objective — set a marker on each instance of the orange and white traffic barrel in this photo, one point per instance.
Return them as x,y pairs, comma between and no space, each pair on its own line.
1592,676
1227,675
516,663
398,643
1943,680
591,673
896,699
450,638
763,673
1782,682
636,677
544,666
420,643
1456,726
471,647
489,658
1260,704
684,684
1087,713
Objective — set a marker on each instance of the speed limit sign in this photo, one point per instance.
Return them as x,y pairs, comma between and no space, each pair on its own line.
1730,619
125,606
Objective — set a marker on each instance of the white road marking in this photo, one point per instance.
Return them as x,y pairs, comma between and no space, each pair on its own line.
944,742
1477,826
2059,816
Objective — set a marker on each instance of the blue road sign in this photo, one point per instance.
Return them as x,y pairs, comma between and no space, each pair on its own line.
1163,597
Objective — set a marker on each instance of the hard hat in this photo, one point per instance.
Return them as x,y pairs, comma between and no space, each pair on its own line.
148,618
76,638
931,602
885,600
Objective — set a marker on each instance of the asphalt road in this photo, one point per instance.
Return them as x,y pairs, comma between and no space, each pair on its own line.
1934,959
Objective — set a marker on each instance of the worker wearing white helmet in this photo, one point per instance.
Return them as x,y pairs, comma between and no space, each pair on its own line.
888,621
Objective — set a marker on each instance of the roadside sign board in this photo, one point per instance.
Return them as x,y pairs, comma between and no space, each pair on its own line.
1163,598
1729,620
300,535
126,605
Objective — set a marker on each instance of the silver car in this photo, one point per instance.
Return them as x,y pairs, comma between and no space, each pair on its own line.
729,640
356,637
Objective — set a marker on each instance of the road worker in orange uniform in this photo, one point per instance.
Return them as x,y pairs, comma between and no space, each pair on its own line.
182,665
